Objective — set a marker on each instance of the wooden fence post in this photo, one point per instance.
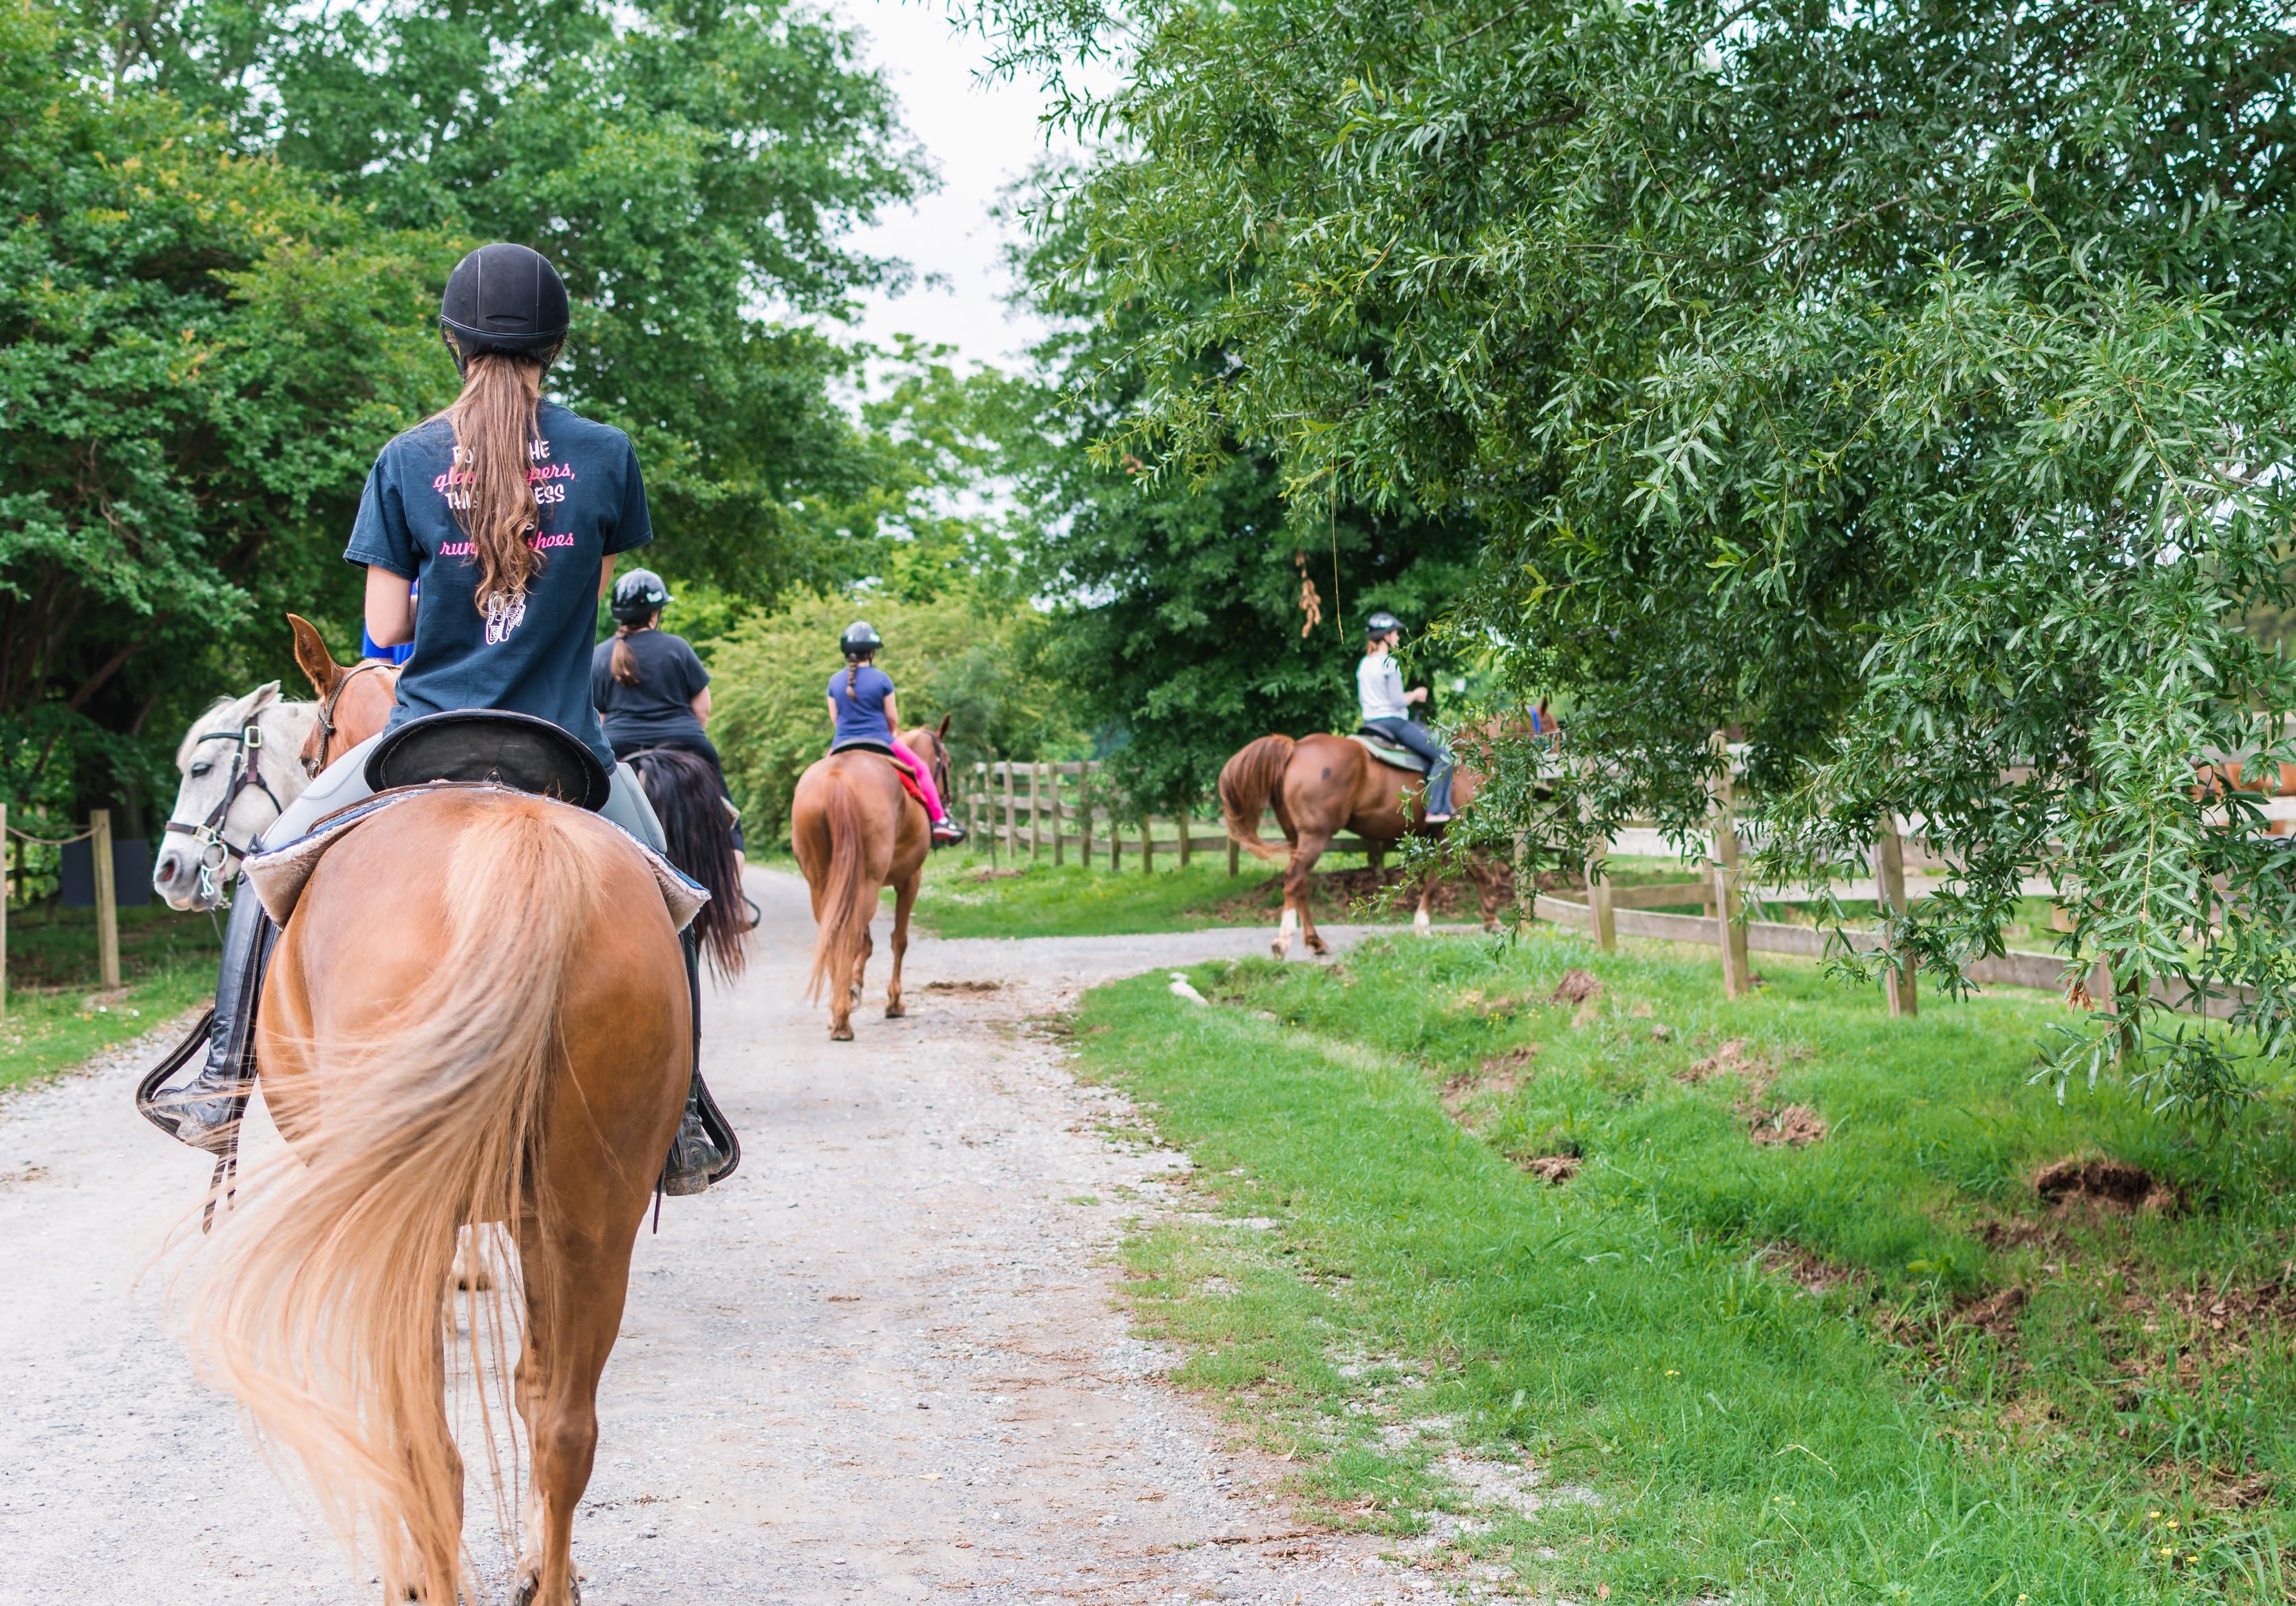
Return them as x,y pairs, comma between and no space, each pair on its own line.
1187,835
1035,812
7,886
1115,842
1234,863
1147,844
1737,973
1084,813
1890,879
1011,818
1060,846
106,901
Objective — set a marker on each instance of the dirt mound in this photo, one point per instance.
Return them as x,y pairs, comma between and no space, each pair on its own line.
2108,1186
1816,1274
1793,1126
1577,986
1737,1054
1553,1168
1996,1312
961,987
1511,1063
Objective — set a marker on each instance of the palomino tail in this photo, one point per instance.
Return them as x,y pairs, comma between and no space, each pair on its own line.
849,902
1248,784
684,789
328,1308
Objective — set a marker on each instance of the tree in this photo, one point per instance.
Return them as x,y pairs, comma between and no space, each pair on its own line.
1900,387
187,422
229,227
1195,612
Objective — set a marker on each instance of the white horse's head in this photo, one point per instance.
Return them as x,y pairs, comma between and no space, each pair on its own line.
242,767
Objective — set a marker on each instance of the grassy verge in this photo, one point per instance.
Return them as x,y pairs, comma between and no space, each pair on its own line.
1871,1365
965,895
58,1015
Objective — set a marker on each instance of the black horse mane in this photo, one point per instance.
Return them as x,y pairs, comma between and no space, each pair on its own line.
685,791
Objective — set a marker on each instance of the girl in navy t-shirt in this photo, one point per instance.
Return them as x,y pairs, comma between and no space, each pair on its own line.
862,708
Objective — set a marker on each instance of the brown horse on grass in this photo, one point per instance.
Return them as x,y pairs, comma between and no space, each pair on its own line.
1320,785
856,832
477,1013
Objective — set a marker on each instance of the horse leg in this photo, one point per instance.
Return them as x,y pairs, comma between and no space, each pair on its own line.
1421,923
861,963
1487,889
574,1312
1298,907
905,897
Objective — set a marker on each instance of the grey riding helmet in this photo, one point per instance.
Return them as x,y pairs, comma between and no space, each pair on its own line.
504,297
1379,624
637,594
860,639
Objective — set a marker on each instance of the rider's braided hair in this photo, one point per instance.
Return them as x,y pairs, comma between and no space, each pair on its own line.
853,662
494,429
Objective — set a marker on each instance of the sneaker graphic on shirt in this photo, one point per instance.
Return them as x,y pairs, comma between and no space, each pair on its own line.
503,615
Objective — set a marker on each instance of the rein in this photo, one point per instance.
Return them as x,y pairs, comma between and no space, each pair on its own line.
216,849
313,763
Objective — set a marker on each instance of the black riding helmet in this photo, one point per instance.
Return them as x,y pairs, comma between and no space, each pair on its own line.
860,639
636,595
1380,623
504,297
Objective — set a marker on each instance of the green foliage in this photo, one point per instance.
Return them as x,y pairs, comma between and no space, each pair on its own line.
963,655
1902,389
229,225
1784,1372
1185,625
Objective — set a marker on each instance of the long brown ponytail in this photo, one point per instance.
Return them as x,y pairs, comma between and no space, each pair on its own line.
624,663
494,426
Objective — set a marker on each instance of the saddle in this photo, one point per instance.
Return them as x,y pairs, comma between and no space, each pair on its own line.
494,746
1388,752
908,777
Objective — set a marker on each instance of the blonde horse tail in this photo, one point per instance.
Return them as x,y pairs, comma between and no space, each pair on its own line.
328,1306
845,907
1248,782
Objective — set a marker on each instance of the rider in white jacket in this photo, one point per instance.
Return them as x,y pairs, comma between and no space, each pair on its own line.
1387,710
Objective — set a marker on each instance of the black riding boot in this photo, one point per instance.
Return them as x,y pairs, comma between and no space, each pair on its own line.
205,1111
705,1150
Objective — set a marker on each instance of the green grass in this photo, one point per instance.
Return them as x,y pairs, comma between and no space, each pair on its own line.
57,1014
1787,1374
964,897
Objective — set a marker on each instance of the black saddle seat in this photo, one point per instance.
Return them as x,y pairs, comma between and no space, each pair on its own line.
863,744
517,751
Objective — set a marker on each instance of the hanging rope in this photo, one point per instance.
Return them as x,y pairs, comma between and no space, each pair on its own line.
26,836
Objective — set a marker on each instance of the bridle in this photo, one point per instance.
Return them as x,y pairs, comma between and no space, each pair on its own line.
216,849
314,762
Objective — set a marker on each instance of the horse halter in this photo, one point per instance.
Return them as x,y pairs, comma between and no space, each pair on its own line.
313,763
216,849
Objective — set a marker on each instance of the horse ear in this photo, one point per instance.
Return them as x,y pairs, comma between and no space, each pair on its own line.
312,656
940,731
262,698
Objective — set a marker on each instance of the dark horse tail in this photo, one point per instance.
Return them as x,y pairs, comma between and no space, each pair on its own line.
689,798
1248,784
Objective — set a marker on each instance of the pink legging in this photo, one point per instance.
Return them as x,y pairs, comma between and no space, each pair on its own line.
923,772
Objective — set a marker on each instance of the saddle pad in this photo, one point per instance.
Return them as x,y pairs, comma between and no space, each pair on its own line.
908,777
1400,758
280,877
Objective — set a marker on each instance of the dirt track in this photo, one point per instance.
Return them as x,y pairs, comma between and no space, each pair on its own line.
881,1363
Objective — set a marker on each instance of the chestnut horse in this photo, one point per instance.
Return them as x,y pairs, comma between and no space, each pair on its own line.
477,1013
1319,786
856,832
354,700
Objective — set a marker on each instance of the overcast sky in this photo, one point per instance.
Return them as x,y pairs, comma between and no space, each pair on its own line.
980,137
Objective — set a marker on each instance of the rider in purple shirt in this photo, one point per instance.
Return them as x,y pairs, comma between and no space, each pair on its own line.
861,706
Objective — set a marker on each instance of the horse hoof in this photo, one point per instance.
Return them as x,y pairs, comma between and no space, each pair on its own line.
841,1034
1279,948
894,1011
1318,946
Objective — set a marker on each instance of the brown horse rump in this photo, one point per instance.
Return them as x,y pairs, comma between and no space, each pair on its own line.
279,877
907,776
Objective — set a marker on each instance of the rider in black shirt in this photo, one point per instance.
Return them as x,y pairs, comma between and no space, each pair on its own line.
649,688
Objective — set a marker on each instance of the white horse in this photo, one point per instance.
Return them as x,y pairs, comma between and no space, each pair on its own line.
242,765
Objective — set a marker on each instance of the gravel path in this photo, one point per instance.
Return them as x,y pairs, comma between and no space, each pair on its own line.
881,1363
